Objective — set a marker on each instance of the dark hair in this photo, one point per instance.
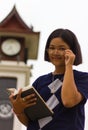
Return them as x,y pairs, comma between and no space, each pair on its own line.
70,38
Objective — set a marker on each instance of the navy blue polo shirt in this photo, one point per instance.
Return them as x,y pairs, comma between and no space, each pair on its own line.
49,87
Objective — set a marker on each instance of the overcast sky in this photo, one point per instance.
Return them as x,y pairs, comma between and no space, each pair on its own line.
47,15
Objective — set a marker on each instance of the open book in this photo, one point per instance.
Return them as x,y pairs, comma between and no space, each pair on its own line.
40,110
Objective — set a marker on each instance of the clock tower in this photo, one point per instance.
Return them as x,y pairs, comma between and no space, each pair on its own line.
18,43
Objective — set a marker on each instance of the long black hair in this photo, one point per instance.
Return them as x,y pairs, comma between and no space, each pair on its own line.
70,38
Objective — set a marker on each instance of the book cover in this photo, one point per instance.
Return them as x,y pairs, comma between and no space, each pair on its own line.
38,111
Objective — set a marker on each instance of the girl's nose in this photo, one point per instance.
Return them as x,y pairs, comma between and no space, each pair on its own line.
59,52
56,51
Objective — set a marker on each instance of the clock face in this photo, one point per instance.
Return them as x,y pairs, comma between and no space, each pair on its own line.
11,47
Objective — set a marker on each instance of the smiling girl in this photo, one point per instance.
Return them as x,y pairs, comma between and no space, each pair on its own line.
65,90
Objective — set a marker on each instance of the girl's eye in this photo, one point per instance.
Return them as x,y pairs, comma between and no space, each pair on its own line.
62,49
51,48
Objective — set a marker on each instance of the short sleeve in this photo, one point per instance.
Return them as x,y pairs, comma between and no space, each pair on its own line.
81,80
36,83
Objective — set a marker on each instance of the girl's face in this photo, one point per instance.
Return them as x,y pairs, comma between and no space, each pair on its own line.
56,51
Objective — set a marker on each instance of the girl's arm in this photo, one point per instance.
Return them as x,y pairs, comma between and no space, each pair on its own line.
69,93
22,118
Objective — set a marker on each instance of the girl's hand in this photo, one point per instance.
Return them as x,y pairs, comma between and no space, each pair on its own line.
69,57
19,104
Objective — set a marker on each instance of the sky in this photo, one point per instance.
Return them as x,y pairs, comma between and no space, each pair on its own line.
46,16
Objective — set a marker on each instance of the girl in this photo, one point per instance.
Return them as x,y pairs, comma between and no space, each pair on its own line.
65,90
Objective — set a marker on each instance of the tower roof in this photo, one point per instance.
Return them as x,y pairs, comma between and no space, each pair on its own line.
14,23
